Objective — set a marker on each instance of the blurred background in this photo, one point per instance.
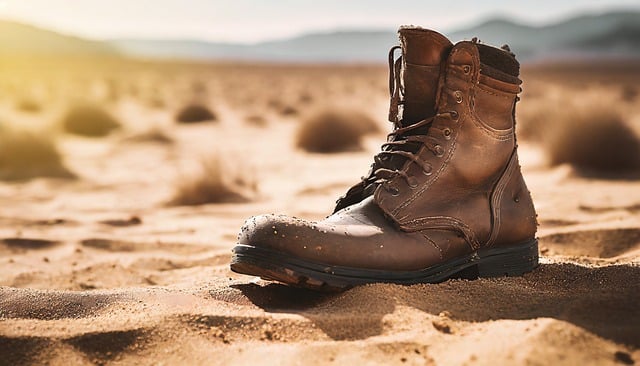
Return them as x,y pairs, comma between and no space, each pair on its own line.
95,67
136,137
81,80
124,124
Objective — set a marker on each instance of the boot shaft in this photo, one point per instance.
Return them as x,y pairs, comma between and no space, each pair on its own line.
461,177
423,53
413,87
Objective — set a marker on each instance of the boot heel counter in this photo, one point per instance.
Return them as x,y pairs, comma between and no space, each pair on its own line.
514,215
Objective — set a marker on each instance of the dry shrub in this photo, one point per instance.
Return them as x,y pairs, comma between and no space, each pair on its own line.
90,120
334,130
29,105
288,110
24,155
594,139
195,113
256,120
535,116
215,183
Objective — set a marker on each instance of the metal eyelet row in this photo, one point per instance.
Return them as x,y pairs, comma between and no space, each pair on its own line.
458,95
439,150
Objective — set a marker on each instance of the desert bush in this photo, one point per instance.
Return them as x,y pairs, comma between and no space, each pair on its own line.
195,113
288,110
535,116
334,130
90,120
215,183
274,102
25,155
593,139
257,120
29,105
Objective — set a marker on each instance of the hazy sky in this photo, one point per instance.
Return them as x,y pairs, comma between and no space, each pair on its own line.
255,20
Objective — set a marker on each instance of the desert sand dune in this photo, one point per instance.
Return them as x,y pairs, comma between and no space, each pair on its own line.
107,268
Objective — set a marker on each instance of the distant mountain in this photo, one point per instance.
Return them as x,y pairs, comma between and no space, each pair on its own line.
339,46
22,39
608,35
605,35
613,34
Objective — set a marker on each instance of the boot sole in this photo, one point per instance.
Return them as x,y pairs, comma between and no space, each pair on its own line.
513,260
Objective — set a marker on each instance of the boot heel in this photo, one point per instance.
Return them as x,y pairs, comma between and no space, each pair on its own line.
510,261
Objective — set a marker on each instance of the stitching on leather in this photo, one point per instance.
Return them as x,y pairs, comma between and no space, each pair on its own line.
486,129
501,135
356,219
435,177
434,245
496,199
495,93
444,222
422,66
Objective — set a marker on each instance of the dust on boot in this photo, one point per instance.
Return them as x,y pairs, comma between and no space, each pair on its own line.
444,197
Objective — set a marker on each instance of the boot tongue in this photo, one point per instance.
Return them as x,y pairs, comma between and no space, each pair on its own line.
423,51
414,80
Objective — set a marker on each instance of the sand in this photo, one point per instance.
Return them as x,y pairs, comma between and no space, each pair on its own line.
101,271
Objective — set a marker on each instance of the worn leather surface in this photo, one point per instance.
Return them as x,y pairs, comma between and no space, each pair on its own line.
423,51
457,193
357,236
472,196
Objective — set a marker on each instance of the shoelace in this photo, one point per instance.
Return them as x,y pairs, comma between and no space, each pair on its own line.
398,141
395,85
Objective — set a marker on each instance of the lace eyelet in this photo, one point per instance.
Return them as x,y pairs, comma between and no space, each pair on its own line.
447,133
412,182
427,170
458,95
466,69
454,116
394,191
439,150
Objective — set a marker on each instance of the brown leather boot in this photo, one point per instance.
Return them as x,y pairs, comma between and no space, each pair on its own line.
448,198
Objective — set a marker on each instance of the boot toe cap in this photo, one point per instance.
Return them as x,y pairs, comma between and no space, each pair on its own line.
338,243
276,232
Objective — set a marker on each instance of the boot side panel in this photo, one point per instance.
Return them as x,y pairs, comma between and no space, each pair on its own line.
474,156
514,216
493,109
